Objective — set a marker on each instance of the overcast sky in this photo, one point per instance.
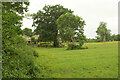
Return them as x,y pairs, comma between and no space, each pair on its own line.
92,11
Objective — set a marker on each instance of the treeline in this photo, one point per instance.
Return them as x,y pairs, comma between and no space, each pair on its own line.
104,34
110,38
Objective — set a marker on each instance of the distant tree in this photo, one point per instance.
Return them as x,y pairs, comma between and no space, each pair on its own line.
115,37
118,37
28,32
71,27
103,32
45,22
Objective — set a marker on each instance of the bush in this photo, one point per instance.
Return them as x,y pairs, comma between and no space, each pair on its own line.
18,60
33,40
73,47
61,46
81,43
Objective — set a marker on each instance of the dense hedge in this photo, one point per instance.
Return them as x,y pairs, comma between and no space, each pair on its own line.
19,61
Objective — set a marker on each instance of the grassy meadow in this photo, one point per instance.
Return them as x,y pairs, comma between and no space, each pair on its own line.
100,60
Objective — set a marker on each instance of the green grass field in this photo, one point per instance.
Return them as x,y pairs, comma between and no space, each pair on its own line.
100,60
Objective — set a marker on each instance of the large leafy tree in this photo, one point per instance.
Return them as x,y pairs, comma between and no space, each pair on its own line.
28,32
71,27
102,32
17,58
11,21
45,22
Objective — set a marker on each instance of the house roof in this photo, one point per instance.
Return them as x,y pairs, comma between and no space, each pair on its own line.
27,37
36,36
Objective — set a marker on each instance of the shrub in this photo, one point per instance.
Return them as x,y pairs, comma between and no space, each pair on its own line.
18,60
33,40
73,47
81,43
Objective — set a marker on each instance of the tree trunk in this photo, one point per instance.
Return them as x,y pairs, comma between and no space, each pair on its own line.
104,38
55,44
73,41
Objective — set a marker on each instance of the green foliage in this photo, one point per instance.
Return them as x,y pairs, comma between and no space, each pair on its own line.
17,58
103,32
45,22
33,40
71,27
13,7
115,37
28,32
18,62
118,37
73,47
93,40
81,43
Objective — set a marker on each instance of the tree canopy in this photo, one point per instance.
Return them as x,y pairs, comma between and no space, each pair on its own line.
28,32
45,22
71,27
17,58
115,37
103,32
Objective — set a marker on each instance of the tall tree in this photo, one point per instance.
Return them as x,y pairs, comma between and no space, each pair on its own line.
103,32
28,32
45,22
71,27
17,58
11,21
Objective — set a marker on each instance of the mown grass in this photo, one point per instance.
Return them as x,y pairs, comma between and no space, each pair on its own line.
100,60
